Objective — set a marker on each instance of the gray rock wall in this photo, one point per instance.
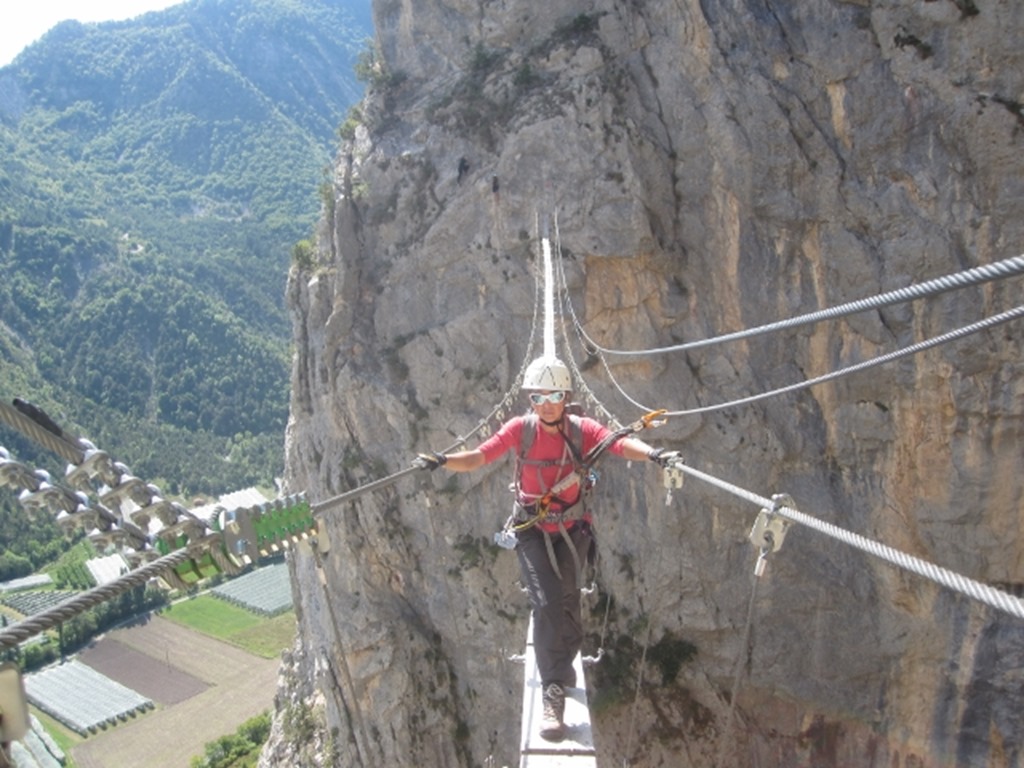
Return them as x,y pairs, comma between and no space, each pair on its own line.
705,167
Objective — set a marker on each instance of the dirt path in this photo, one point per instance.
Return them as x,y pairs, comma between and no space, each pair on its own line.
229,686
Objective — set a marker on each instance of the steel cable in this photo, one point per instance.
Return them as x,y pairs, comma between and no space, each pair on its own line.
579,382
62,446
1001,269
505,405
974,589
497,413
50,618
989,322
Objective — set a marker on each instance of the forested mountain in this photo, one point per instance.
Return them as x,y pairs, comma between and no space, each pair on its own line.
155,175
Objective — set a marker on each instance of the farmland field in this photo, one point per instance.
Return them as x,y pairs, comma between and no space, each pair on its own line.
253,633
205,689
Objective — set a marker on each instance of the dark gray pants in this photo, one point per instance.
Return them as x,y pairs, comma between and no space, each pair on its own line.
557,623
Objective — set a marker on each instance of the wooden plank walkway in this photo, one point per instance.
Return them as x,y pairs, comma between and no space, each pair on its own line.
577,749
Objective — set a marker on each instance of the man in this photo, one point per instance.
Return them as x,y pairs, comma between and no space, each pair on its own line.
551,520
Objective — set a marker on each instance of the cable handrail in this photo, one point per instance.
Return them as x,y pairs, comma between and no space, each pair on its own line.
13,634
565,303
949,336
50,437
913,349
976,590
998,270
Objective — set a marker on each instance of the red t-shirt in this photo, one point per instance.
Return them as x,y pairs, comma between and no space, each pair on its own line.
536,480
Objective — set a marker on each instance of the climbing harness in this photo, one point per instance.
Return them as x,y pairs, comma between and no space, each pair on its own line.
530,512
525,516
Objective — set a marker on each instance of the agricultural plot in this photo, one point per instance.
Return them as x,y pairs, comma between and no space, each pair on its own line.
164,684
35,581
31,603
82,698
266,591
238,686
104,570
37,749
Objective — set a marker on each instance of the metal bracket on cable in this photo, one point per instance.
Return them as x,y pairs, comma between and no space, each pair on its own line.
673,478
769,530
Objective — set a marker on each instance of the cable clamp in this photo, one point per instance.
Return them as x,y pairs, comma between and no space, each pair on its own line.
672,477
769,530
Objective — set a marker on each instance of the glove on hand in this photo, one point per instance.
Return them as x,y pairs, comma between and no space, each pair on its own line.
665,459
431,460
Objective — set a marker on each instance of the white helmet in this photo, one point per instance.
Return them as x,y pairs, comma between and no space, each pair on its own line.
547,373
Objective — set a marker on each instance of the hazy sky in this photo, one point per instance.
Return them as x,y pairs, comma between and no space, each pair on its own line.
25,21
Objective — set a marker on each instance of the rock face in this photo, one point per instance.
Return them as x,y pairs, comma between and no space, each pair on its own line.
703,167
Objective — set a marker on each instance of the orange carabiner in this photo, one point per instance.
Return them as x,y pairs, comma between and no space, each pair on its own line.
649,419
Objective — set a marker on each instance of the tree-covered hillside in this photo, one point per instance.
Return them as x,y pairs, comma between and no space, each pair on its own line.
154,177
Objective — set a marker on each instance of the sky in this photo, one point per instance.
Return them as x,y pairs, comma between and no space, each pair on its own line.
33,18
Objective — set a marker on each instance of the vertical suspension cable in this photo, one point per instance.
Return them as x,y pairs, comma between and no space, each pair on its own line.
643,659
727,747
599,409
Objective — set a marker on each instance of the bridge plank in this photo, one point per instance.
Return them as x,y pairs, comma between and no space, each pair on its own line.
577,749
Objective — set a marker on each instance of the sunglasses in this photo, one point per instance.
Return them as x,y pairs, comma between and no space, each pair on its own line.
539,399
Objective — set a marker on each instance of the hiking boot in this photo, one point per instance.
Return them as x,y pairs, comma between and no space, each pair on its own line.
551,726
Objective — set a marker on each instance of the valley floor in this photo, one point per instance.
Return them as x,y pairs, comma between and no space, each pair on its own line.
203,689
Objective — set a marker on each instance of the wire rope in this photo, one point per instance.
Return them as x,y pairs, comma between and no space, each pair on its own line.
50,618
565,305
592,398
507,402
61,444
643,661
579,382
999,270
989,322
496,414
742,662
360,744
974,589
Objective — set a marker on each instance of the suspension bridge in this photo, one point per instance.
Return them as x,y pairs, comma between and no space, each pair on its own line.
102,498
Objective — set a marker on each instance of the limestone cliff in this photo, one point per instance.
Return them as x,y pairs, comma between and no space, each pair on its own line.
712,166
